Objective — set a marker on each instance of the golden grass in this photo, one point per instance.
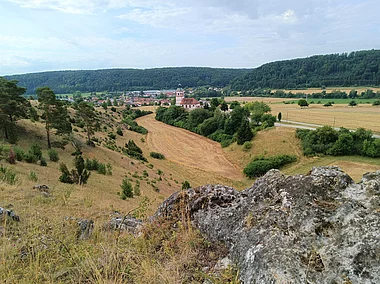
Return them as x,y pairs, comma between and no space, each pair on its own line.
338,115
198,159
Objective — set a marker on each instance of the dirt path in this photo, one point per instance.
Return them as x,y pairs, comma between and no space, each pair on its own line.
187,148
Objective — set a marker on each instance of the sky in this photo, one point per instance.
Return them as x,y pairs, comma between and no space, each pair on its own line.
45,35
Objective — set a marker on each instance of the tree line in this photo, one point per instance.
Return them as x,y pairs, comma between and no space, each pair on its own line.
328,141
360,68
111,80
217,123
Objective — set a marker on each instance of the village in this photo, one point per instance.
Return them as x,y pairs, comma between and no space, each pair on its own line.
179,97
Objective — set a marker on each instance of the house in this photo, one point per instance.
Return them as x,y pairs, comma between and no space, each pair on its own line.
187,103
190,103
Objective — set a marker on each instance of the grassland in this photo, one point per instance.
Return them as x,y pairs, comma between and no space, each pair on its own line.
43,248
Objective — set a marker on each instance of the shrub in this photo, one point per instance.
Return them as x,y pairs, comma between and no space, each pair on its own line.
35,150
156,155
260,165
20,153
119,131
186,185
109,170
11,157
7,175
91,165
43,162
247,146
65,174
102,169
126,189
136,189
30,158
112,136
33,176
53,155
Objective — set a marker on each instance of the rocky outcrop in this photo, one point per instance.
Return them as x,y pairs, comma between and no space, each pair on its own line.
8,214
315,228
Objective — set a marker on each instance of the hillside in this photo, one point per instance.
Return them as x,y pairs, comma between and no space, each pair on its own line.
64,82
360,68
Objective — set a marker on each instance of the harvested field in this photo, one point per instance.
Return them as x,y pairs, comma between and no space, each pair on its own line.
256,99
187,148
365,116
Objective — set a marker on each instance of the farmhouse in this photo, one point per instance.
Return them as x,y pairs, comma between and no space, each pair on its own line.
187,103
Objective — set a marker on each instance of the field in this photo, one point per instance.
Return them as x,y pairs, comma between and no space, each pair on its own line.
198,155
331,89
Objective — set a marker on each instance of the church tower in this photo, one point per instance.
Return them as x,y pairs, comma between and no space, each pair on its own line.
179,95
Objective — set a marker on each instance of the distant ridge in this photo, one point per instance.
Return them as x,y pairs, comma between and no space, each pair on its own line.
359,68
63,82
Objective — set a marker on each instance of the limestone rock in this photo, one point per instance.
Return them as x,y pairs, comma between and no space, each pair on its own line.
126,223
6,213
314,228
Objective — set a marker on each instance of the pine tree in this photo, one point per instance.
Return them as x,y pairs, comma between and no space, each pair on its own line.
244,133
54,113
87,113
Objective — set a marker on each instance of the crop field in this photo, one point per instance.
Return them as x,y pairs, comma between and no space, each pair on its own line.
200,156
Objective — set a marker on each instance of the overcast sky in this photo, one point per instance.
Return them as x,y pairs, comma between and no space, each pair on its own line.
41,35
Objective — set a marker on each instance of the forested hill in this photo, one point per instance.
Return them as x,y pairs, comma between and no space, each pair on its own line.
63,82
360,68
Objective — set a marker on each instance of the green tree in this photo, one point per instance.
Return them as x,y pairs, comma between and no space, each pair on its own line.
352,103
88,115
197,116
12,106
257,110
224,106
185,185
279,116
126,189
54,113
244,133
303,103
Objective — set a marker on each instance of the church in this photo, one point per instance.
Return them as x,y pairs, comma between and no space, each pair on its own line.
187,103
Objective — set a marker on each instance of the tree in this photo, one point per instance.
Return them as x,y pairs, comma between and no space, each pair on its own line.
197,116
126,189
279,116
244,133
214,102
352,103
54,113
224,106
12,106
257,110
186,185
87,114
353,94
303,103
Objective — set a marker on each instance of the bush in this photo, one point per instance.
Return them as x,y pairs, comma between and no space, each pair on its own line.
11,156
20,154
7,175
247,146
102,169
53,155
43,162
186,185
156,155
119,131
126,189
260,165
30,158
35,150
33,176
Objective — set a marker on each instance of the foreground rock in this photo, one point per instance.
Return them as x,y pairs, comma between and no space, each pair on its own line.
315,228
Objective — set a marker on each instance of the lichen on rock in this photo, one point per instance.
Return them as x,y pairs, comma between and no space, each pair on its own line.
314,228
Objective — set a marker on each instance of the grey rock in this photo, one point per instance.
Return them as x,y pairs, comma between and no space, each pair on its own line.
314,228
85,229
9,214
126,223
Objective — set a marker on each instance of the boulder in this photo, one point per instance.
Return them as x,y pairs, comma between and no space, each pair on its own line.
315,228
8,214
